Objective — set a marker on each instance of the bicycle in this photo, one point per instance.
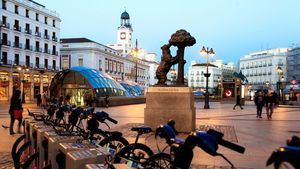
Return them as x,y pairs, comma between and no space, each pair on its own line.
286,156
134,155
181,151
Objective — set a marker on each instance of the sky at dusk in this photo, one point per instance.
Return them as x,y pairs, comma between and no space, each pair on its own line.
232,27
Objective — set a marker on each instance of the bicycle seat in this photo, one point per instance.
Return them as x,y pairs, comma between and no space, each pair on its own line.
142,129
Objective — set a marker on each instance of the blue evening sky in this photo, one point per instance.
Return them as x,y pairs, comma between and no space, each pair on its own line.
232,27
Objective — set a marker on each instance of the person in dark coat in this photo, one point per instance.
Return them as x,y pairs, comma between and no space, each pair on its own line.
106,101
238,102
38,99
15,104
259,102
270,102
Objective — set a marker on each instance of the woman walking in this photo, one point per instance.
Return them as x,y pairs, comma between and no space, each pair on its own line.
15,111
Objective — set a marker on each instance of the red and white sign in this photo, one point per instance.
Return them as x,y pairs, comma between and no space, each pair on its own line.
228,93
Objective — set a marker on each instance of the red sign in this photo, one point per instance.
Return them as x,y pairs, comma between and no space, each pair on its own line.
228,93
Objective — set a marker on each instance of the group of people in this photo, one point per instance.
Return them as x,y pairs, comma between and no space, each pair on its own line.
269,100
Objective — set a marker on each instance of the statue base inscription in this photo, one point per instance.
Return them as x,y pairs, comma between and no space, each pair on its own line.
165,103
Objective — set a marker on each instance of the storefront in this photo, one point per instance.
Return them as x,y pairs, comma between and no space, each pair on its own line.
4,86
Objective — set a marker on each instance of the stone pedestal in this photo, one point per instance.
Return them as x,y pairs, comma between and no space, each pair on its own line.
165,103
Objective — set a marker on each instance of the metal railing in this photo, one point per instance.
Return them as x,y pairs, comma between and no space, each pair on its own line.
28,31
17,28
5,42
38,49
18,45
38,34
6,25
54,38
28,47
47,37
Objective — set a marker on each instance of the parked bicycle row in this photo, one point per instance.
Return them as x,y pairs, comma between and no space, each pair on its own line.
66,136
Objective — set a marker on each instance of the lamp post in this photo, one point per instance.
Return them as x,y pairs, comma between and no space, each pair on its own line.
23,69
279,72
206,52
135,54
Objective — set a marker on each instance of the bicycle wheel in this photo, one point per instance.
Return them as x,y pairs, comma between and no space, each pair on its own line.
22,155
114,144
16,145
133,155
30,162
158,161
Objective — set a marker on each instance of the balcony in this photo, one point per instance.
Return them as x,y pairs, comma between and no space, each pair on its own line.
17,28
5,42
29,64
37,65
270,64
280,64
6,62
47,51
18,45
38,49
269,73
55,53
6,25
47,37
4,6
256,66
260,65
54,38
28,47
38,34
28,31
242,67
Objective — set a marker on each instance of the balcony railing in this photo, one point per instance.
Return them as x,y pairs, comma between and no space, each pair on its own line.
18,45
38,34
28,31
54,38
6,25
270,64
55,53
28,47
47,51
38,49
5,42
7,62
47,37
17,28
37,65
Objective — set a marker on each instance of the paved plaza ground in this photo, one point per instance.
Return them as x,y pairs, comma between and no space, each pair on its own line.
259,136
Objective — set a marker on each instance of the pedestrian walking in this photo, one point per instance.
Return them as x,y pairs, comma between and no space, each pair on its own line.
15,111
88,99
38,99
44,100
270,101
238,102
68,99
259,102
106,101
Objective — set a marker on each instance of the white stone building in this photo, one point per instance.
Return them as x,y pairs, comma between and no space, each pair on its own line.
293,62
88,53
30,48
260,67
197,80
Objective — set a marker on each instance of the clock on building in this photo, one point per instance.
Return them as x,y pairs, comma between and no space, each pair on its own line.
123,35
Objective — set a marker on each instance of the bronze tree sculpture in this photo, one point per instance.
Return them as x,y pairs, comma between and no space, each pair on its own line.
181,39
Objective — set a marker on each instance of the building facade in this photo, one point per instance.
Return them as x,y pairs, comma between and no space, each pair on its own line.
30,48
197,80
87,53
261,68
293,61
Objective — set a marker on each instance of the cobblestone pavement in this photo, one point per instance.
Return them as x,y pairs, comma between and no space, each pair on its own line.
259,136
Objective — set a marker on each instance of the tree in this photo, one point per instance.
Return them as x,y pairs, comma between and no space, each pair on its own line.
181,39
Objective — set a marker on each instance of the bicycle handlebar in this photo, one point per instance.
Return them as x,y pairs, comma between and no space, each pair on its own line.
232,146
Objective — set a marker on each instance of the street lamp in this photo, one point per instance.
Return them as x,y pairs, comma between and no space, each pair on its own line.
206,52
135,54
280,77
23,69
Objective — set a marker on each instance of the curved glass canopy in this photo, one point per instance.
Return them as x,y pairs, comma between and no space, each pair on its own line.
133,89
87,78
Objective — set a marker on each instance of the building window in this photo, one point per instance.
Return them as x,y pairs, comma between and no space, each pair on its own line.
54,64
27,44
27,13
46,63
27,29
17,59
46,22
28,61
65,63
46,48
53,23
16,26
54,50
4,58
80,62
16,9
17,42
100,65
106,65
3,4
37,17
37,62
